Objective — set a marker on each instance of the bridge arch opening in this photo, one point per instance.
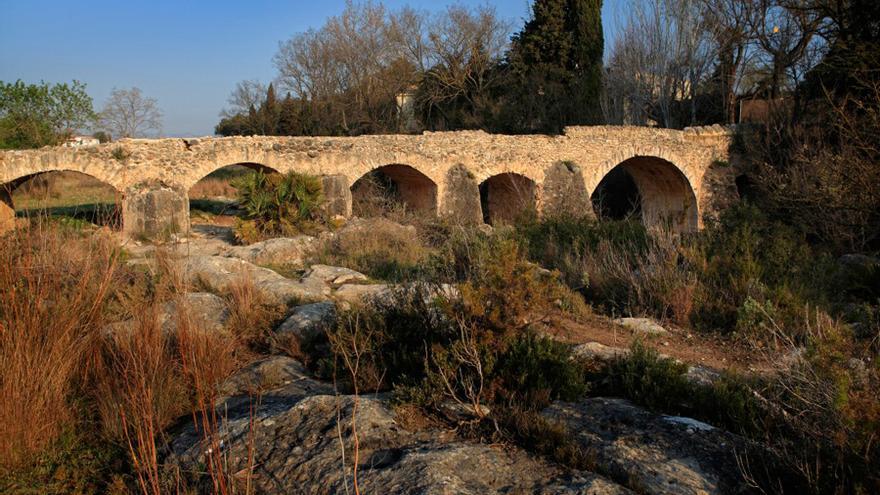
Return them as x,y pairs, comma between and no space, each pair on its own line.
213,199
395,188
648,188
61,194
506,196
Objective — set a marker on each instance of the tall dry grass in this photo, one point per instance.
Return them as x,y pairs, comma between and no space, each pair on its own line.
54,292
83,348
209,188
656,281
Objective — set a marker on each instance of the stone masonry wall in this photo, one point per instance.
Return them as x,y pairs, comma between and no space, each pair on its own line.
595,150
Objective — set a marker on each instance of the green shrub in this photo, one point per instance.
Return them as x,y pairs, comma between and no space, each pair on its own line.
470,345
648,379
539,369
277,204
560,242
746,256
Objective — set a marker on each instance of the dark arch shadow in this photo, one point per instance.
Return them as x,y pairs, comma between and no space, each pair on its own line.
64,194
392,188
505,196
648,188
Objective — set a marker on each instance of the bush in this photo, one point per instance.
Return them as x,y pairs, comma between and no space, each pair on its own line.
561,242
277,204
749,258
377,247
536,369
472,345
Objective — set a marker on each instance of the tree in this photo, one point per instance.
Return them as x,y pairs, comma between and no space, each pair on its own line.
246,93
465,48
658,62
728,21
34,115
269,113
128,113
556,61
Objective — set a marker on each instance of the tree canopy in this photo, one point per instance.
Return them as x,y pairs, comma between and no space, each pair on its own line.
35,115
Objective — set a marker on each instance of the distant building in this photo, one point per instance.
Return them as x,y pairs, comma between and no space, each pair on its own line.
76,141
759,110
406,111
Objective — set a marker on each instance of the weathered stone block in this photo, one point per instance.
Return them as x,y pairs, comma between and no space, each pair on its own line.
154,210
564,191
461,197
337,195
7,211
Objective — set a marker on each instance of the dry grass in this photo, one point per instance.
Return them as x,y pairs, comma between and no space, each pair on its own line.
377,247
54,290
63,189
124,383
251,316
656,283
209,188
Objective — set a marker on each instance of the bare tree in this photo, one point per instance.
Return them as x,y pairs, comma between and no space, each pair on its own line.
247,94
128,113
785,32
660,58
464,48
729,21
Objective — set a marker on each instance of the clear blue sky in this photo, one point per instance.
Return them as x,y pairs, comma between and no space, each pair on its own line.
186,54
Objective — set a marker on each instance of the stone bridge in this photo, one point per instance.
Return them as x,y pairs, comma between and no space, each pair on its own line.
677,178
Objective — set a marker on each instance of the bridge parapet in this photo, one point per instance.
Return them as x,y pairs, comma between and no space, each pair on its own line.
453,161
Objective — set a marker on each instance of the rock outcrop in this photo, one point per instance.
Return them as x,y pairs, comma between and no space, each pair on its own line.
303,442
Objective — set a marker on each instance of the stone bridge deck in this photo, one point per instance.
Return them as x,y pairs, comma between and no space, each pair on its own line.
681,176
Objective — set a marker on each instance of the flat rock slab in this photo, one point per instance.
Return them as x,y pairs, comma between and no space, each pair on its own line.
218,274
207,312
595,350
659,454
287,251
353,293
303,443
641,325
333,276
306,321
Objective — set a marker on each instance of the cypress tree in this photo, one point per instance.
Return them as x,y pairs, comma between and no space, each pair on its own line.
288,118
556,61
269,113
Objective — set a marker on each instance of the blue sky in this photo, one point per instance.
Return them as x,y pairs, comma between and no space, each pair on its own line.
186,54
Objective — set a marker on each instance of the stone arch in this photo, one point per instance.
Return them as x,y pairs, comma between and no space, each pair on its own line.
506,195
394,183
45,183
650,188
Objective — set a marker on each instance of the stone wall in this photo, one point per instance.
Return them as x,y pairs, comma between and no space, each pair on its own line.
595,150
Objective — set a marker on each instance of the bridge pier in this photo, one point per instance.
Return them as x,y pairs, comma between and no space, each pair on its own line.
564,192
461,197
7,211
337,195
152,210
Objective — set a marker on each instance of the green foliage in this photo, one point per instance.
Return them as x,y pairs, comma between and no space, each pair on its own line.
277,204
648,379
538,368
35,115
74,464
471,345
746,256
560,242
556,61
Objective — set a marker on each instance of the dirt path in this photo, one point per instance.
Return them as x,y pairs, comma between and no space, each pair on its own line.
711,351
